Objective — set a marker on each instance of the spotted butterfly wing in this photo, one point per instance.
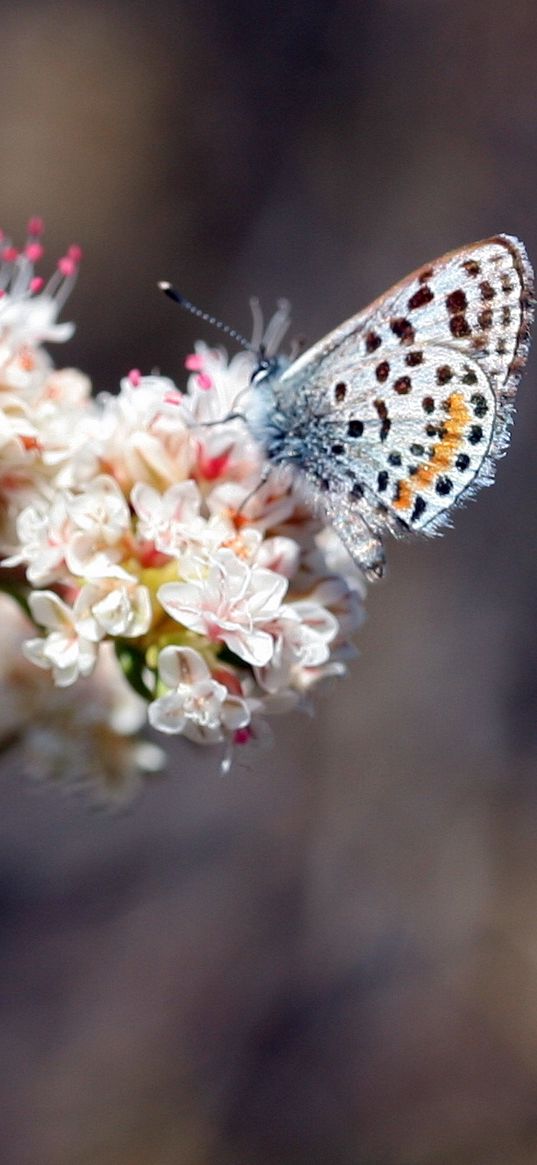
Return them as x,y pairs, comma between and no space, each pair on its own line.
402,411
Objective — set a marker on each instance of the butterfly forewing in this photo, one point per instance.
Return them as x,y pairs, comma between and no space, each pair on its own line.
408,403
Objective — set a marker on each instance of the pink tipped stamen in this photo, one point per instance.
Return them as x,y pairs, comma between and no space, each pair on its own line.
34,252
203,381
134,377
36,227
75,253
36,284
9,254
242,736
194,363
66,271
66,266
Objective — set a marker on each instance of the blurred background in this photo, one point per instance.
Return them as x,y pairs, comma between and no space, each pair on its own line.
330,956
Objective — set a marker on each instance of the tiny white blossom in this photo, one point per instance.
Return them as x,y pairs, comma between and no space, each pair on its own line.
195,704
303,632
101,518
143,433
43,532
64,651
171,521
116,607
32,321
215,386
28,309
157,512
232,603
101,510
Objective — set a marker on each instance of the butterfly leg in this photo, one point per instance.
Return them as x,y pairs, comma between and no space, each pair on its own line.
263,477
222,421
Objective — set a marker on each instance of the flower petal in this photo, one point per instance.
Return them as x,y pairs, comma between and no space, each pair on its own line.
181,665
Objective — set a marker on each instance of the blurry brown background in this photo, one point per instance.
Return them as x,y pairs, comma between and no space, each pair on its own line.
331,955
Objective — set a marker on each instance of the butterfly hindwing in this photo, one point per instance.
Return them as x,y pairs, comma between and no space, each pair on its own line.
407,405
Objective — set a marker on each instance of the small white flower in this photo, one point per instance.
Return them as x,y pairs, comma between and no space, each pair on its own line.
100,517
233,603
215,385
196,705
167,519
303,633
158,511
172,522
43,532
86,735
113,606
29,310
32,321
64,651
64,388
101,510
143,434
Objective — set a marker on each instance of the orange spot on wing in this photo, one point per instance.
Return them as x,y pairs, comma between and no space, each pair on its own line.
425,475
458,411
405,496
442,454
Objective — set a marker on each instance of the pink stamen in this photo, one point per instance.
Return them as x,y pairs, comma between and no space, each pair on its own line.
242,736
75,252
194,363
34,252
9,254
36,227
204,381
2,293
66,266
36,284
134,377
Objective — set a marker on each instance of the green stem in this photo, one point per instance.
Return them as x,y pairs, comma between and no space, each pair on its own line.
132,663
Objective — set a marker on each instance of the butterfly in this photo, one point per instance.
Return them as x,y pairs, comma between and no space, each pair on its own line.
398,416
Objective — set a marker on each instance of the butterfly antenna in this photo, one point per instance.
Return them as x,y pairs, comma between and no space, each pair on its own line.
172,293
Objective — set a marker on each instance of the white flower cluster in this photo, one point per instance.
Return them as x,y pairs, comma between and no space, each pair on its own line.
135,524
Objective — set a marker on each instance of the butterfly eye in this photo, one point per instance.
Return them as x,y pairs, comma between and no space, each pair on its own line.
262,369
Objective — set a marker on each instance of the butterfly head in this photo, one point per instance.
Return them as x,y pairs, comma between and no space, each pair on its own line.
267,367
